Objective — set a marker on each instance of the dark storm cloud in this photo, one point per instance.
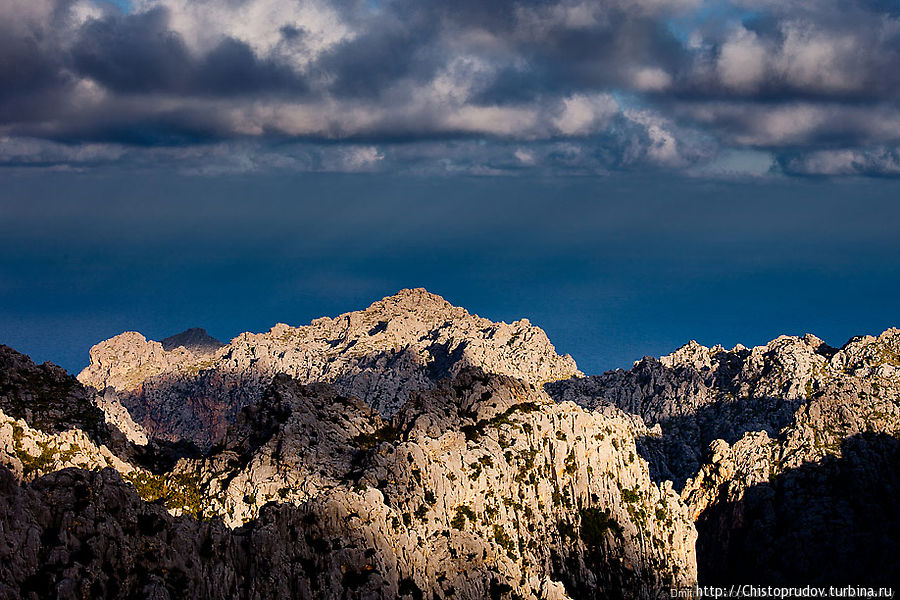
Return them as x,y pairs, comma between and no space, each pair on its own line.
615,84
141,53
380,58
609,55
32,74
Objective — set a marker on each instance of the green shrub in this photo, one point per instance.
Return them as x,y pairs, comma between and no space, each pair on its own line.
463,512
595,523
629,495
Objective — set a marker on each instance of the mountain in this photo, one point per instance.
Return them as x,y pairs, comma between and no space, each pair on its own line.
413,450
398,345
46,396
194,339
481,487
785,454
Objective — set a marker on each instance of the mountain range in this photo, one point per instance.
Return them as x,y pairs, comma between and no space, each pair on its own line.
414,450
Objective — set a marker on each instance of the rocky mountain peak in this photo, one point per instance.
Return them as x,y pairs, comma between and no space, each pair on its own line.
691,354
415,450
869,354
126,360
399,344
412,299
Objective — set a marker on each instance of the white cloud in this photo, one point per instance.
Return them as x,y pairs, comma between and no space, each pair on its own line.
663,148
33,151
880,161
525,157
360,158
203,24
583,114
741,63
512,121
651,79
820,60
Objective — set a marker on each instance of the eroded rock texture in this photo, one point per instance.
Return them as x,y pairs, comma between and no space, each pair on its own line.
483,487
784,453
413,450
401,344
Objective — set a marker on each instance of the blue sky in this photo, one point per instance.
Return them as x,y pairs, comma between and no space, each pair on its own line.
627,174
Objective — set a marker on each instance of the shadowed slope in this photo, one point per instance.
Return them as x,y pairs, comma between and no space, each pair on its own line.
481,488
831,522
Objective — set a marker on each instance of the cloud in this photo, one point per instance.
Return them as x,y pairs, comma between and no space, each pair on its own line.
796,124
28,152
564,85
741,64
583,115
883,162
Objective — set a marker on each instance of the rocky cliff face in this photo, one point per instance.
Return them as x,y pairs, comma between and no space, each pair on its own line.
698,394
413,450
784,453
480,488
399,345
45,396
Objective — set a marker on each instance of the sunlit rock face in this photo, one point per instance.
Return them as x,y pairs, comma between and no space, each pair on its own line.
401,344
481,487
783,453
413,450
482,483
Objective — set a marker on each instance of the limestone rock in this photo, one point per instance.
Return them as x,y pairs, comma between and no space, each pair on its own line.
118,416
412,450
784,453
481,487
399,345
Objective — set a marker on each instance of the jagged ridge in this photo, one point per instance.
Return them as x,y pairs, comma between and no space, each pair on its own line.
784,452
483,487
479,483
401,344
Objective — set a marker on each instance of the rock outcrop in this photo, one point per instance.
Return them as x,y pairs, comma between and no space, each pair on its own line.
46,396
784,453
698,395
484,468
413,450
483,487
401,344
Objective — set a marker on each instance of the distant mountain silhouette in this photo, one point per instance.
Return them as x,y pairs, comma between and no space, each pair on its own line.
195,339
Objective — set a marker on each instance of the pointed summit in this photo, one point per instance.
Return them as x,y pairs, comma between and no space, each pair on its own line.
399,345
194,339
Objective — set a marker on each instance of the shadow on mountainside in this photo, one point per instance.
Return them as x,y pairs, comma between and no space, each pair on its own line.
835,522
693,408
48,399
92,536
682,448
98,539
198,407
